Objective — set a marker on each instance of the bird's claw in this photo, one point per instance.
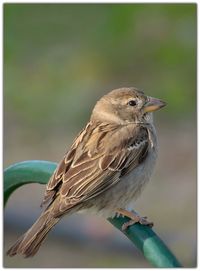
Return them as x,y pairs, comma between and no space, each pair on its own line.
137,219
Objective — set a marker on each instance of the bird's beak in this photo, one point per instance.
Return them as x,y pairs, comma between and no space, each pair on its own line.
153,104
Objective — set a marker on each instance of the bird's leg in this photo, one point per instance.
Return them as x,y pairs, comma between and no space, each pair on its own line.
134,218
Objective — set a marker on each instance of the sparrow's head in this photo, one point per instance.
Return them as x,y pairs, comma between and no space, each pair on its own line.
126,105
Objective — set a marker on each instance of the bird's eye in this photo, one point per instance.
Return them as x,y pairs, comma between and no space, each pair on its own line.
132,103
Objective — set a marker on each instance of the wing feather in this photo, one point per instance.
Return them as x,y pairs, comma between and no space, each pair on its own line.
93,166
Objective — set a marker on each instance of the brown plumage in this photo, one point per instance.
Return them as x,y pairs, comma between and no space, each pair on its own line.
106,167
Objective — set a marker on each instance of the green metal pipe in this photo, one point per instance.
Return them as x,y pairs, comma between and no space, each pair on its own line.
148,242
25,173
144,238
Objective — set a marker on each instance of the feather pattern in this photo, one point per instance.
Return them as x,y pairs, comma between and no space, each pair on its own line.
91,166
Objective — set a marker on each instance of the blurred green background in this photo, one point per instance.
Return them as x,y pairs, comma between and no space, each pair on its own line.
58,60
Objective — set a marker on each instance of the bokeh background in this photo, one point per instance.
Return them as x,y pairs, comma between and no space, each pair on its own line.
58,60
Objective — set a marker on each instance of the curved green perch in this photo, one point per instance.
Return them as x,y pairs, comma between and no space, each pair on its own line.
144,238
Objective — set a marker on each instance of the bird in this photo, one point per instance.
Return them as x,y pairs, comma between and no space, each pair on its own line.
105,169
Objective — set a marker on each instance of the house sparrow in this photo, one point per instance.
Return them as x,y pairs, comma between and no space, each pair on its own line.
106,167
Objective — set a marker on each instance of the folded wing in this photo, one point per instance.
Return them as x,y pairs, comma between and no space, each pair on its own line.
98,159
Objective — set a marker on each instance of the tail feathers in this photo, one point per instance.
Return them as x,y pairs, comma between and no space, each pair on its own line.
30,242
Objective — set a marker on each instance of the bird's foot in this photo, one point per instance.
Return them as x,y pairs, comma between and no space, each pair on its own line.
135,218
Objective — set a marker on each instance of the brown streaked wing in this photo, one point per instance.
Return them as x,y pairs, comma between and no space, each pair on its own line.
84,181
76,176
90,175
56,179
124,161
136,158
